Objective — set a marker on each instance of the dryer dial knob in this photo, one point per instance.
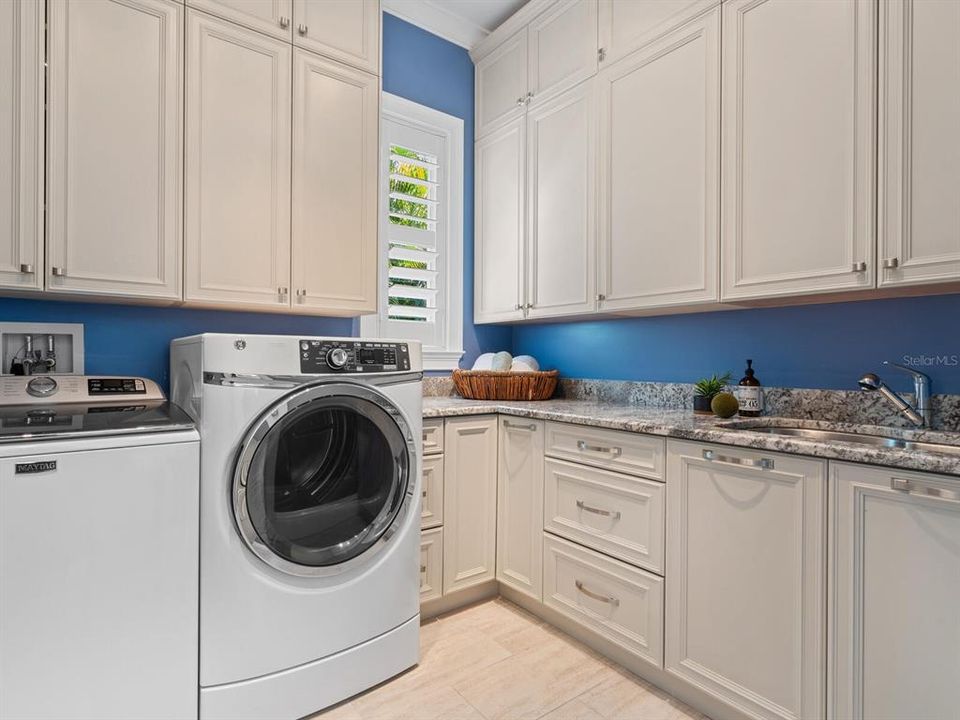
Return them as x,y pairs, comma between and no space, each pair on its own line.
42,386
337,358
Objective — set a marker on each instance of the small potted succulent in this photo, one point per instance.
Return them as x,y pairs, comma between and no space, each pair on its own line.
704,391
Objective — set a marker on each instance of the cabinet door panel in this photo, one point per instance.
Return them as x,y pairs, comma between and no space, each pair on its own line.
501,82
499,246
799,141
626,25
272,17
660,171
920,142
520,506
21,132
345,30
744,624
895,631
335,131
561,213
563,47
238,173
469,502
115,147
431,564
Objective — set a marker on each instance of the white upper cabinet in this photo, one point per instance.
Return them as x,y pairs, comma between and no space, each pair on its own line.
799,140
626,25
660,172
561,211
238,165
895,629
501,83
273,17
746,578
500,218
21,134
115,147
919,142
335,159
562,46
345,30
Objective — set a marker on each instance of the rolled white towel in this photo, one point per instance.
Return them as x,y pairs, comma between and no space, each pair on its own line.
525,363
484,362
502,361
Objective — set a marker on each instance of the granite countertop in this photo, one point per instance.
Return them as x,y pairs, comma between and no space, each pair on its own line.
685,425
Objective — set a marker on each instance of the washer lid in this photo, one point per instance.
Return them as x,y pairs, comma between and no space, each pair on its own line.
19,423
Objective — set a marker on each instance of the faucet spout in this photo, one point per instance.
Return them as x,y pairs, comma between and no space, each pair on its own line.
919,415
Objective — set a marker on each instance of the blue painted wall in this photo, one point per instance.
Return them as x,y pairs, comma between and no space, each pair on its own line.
135,339
127,339
429,70
812,346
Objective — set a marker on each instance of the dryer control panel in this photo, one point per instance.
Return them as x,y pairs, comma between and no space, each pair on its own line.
352,356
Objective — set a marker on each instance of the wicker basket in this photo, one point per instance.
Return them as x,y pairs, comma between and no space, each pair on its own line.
493,385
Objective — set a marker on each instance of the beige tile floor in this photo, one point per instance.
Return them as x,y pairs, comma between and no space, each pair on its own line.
494,661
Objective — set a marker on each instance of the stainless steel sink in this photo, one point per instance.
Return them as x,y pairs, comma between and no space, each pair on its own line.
851,437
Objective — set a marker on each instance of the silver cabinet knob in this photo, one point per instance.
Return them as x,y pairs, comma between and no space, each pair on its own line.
891,263
302,29
860,267
528,98
518,306
284,22
601,297
26,268
520,101
301,294
58,271
282,292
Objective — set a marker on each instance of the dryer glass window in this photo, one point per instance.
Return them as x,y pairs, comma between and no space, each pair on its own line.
327,481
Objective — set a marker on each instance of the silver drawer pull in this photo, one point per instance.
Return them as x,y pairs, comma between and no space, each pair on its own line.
610,600
615,514
762,463
907,486
520,426
614,451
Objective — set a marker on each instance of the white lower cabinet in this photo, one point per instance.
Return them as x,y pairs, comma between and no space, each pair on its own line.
115,147
745,610
617,601
431,564
520,505
431,495
895,580
469,501
619,515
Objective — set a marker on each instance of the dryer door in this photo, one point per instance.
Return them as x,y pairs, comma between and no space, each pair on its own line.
324,477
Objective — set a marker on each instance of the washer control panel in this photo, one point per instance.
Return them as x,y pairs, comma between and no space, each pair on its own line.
55,389
352,356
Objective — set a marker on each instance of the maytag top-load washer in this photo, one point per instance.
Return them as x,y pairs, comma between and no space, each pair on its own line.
99,508
310,519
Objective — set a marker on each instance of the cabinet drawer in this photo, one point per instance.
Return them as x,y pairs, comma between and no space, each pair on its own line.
616,514
431,504
433,436
609,449
431,564
621,603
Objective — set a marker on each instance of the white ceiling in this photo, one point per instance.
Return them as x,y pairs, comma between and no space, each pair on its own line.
464,22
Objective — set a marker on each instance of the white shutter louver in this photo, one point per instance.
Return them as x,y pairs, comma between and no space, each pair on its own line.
412,258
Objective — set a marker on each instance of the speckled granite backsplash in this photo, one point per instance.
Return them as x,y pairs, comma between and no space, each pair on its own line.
849,406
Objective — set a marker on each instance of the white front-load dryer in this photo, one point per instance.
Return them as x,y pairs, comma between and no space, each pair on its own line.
309,517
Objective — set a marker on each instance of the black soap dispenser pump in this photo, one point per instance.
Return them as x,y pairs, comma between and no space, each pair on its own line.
750,393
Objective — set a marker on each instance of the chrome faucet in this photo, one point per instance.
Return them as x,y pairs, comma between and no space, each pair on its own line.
919,415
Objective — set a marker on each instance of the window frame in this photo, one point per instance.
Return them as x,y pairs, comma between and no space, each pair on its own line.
397,109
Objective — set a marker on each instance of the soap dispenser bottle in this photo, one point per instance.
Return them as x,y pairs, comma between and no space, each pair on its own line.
750,394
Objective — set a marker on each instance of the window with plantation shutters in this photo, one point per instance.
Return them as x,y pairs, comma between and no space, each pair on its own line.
421,231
